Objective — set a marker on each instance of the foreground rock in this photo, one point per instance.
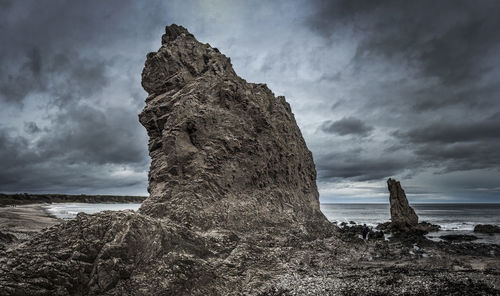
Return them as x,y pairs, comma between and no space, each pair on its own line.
486,228
459,237
353,232
420,228
6,239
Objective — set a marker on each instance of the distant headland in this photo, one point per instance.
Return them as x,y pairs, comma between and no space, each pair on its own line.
25,198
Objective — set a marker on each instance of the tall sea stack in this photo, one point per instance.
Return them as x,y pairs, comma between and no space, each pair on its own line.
225,152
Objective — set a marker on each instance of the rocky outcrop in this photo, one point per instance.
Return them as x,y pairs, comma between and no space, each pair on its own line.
458,237
427,227
486,228
401,212
224,152
6,239
403,217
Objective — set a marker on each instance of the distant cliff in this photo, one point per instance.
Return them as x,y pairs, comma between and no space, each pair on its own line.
23,198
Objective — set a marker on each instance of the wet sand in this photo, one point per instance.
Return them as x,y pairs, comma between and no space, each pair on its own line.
26,218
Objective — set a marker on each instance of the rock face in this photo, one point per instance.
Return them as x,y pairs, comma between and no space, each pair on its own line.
225,153
401,212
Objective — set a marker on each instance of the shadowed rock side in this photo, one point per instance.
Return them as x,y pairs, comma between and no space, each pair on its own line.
401,212
225,153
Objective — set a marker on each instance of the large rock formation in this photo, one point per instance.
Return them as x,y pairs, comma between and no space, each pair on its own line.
225,152
232,187
401,212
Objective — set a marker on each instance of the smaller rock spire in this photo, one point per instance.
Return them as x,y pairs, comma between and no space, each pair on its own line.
401,212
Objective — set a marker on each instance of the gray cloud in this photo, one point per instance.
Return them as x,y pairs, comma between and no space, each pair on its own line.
31,127
347,126
63,77
424,75
76,159
69,86
458,146
95,136
437,132
333,167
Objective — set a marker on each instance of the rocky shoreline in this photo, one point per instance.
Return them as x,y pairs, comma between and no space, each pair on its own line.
291,265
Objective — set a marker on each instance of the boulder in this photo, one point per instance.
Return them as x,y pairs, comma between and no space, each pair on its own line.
6,239
487,228
458,237
428,227
422,227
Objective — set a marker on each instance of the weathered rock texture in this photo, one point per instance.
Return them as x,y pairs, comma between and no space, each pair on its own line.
225,152
401,212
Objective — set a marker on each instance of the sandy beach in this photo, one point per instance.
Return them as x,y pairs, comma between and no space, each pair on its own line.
25,218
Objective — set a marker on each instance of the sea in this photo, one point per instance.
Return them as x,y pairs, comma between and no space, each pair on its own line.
68,211
453,218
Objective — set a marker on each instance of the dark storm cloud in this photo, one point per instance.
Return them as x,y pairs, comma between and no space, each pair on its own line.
64,77
31,127
458,146
443,132
435,81
347,126
453,41
95,137
57,47
355,165
77,155
72,68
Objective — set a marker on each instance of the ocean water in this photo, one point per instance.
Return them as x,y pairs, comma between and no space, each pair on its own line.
70,210
453,218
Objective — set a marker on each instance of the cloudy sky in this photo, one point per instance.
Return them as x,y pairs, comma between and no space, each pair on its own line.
380,89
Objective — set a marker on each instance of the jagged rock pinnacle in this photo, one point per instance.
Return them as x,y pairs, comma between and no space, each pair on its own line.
172,32
225,153
401,212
